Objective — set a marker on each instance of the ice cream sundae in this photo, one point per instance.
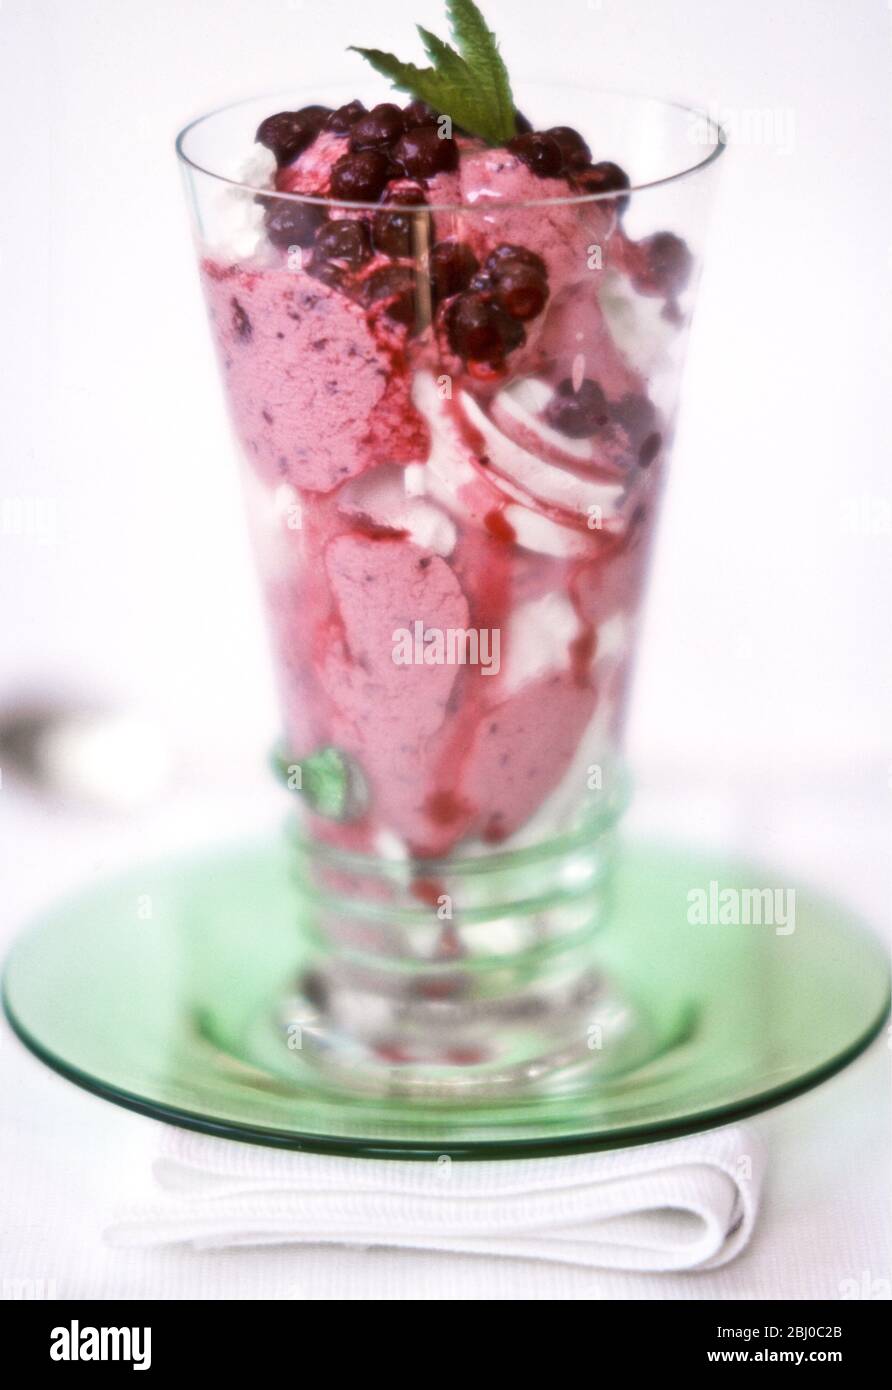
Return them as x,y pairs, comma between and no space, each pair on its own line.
445,360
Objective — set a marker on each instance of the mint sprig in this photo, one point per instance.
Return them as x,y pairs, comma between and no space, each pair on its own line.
471,86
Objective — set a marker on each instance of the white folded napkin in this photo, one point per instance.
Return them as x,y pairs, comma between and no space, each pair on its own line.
683,1204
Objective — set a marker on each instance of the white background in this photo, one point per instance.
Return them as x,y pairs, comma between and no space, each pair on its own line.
761,713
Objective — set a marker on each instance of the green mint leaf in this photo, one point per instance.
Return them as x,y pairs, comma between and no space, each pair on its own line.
470,109
419,82
470,86
404,76
444,57
481,53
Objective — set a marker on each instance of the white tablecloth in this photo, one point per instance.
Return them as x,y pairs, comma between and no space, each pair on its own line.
66,1157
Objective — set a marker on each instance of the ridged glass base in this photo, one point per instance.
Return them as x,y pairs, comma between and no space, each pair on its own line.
463,977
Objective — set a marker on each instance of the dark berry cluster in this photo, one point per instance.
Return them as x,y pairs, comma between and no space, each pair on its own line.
384,143
586,411
485,322
551,153
390,154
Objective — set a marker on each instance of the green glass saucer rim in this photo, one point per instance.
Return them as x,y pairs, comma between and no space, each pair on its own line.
459,1150
544,1143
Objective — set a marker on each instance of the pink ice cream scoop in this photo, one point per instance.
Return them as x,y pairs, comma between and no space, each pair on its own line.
315,395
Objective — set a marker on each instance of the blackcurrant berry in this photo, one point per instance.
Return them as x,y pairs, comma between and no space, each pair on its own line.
393,231
575,151
649,449
418,113
344,240
378,128
668,264
342,121
387,281
479,330
290,222
538,152
422,152
604,177
578,413
396,285
329,272
637,416
521,291
452,266
288,133
521,254
635,413
472,329
512,332
360,176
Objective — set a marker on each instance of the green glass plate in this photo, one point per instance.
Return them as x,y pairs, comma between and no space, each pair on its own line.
161,991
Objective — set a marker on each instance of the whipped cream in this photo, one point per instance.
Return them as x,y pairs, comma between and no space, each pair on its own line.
534,476
539,637
381,496
236,226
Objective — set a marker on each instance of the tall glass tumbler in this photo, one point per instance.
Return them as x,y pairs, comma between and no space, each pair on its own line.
453,469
